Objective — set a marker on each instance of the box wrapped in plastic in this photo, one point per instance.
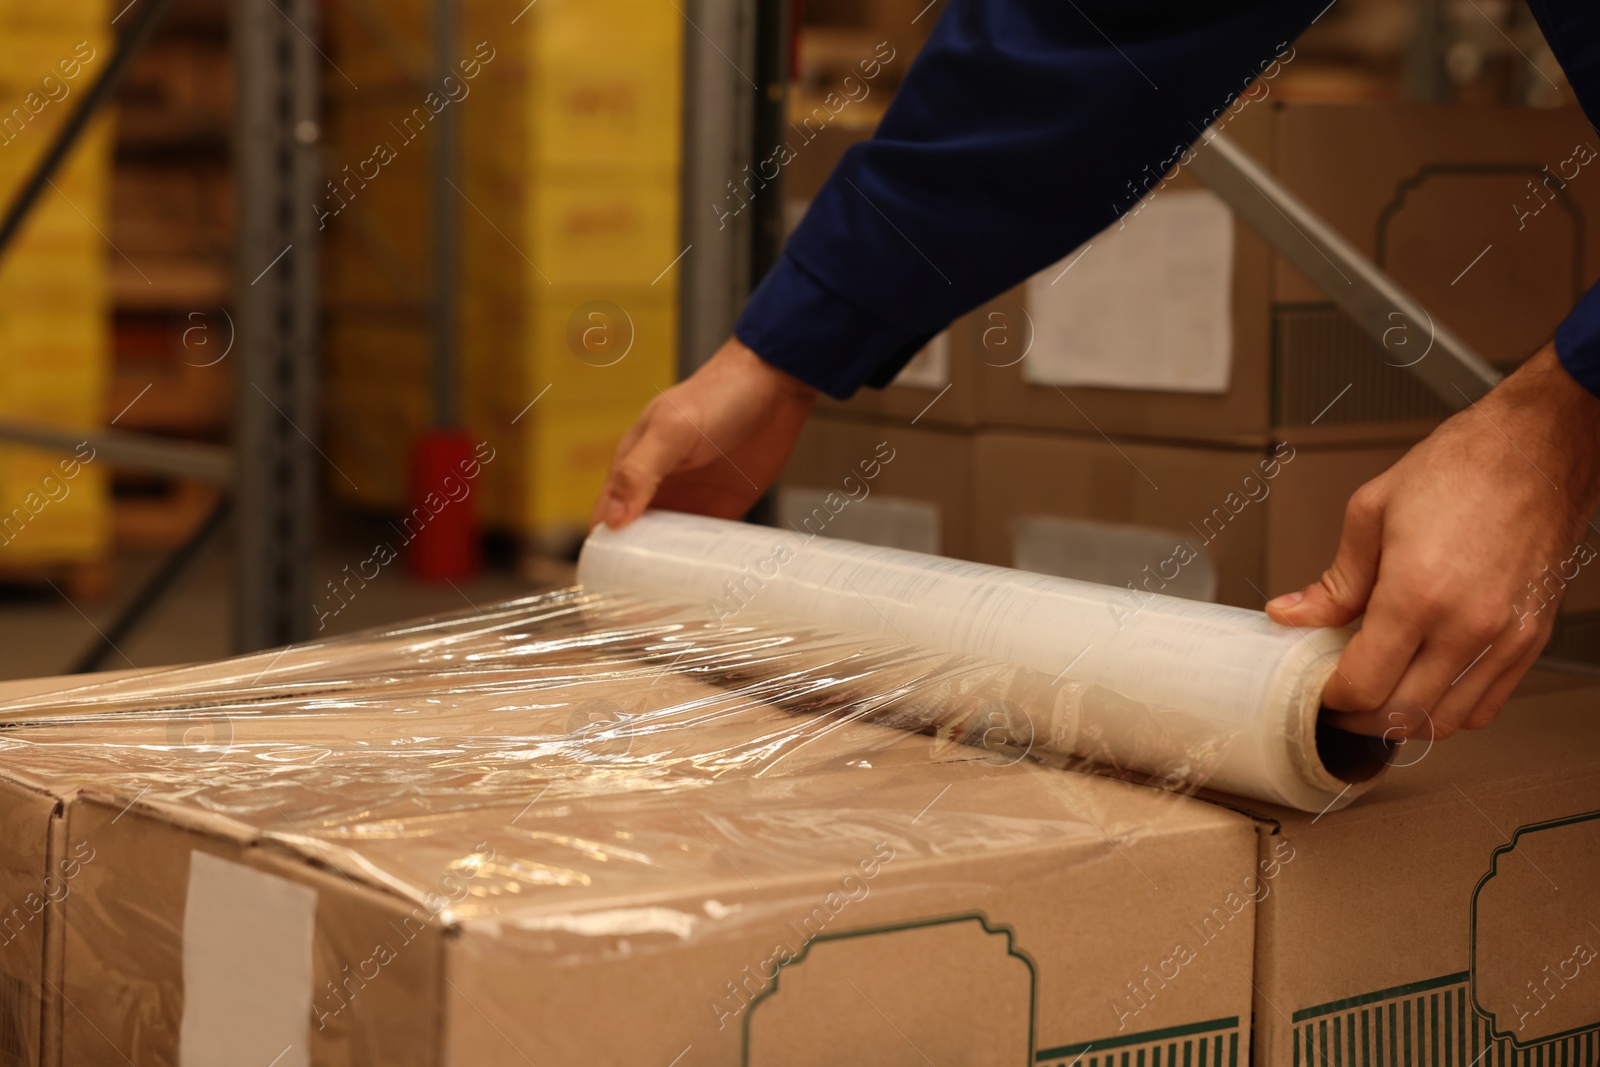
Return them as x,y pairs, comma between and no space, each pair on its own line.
591,828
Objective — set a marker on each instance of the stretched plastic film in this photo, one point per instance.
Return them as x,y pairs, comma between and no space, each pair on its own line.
364,749
1191,693
572,785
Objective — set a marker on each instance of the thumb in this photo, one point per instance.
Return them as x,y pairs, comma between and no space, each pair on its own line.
638,469
1340,595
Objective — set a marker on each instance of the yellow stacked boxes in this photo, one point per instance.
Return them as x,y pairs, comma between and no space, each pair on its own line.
570,123
571,173
54,304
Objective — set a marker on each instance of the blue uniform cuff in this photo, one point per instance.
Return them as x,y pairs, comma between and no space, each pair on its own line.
797,324
1578,341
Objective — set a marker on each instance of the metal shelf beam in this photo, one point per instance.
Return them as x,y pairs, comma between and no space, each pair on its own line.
1418,343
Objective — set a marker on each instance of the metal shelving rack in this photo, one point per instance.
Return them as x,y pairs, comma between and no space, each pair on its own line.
269,473
275,299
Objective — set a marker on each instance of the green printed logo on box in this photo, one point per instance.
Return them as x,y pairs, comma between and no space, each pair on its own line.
1532,995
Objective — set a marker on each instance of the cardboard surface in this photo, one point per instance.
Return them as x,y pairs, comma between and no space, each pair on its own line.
920,499
1424,190
27,886
896,899
1265,520
1449,910
1262,535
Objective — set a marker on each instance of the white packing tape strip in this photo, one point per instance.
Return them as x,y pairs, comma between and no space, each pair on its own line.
246,967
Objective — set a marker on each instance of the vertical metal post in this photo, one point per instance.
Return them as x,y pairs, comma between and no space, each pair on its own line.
445,219
772,90
1427,78
275,303
720,83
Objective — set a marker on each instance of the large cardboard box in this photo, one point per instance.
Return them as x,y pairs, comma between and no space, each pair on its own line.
1207,522
1250,522
1211,336
413,876
881,483
1448,917
483,885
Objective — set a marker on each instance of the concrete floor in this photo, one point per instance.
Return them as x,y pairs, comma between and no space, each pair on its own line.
42,633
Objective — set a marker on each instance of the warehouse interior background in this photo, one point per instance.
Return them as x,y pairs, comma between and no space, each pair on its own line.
301,266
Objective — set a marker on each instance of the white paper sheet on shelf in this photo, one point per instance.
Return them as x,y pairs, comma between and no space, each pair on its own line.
1147,304
930,367
1109,553
889,521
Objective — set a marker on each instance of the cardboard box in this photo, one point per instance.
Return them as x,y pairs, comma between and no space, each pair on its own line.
892,899
55,333
37,869
1448,917
1441,197
938,388
881,484
578,83
1258,521
856,894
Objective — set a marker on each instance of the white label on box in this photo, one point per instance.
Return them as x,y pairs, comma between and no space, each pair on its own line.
1145,305
246,967
886,521
929,368
1110,553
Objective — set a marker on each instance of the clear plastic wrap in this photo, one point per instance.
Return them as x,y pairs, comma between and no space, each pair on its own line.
1190,693
576,782
350,748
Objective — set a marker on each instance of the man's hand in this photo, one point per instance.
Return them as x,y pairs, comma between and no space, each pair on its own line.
1440,550
710,444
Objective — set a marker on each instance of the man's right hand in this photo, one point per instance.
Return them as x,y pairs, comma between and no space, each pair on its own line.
711,444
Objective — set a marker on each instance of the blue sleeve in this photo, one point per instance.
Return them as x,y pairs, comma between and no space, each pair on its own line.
1572,28
1023,129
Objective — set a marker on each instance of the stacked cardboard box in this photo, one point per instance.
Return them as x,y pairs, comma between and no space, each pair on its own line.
1448,916
567,194
54,319
570,291
1176,382
1258,387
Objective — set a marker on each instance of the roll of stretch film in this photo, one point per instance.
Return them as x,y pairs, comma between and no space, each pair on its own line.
1192,693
